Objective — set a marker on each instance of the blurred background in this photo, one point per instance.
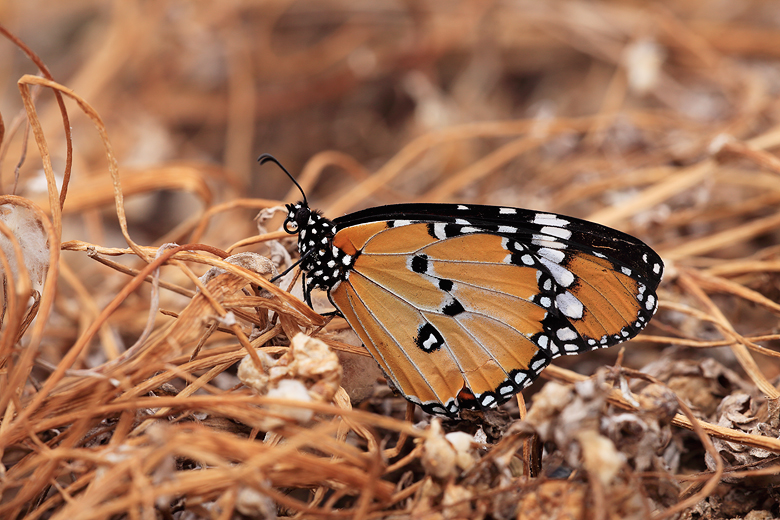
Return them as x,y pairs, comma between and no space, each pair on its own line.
599,88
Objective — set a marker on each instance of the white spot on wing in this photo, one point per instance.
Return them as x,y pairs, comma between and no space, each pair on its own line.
548,219
562,275
566,334
507,229
544,241
507,211
564,234
553,255
569,305
438,230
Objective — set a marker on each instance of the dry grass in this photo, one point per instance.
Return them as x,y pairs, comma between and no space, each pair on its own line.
118,391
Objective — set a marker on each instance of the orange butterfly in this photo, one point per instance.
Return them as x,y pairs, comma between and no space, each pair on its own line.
464,305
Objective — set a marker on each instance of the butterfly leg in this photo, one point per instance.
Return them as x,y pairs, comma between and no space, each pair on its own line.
306,290
293,266
337,312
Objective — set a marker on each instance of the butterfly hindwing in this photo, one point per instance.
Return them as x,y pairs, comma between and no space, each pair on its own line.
431,355
388,328
455,306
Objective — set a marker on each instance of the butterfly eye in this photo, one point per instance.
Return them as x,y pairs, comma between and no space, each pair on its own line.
290,226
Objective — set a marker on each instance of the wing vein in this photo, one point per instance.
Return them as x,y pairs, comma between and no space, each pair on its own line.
387,332
440,313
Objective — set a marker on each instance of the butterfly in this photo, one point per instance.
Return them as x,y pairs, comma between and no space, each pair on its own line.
463,305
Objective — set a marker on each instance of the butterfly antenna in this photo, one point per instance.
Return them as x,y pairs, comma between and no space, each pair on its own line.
268,157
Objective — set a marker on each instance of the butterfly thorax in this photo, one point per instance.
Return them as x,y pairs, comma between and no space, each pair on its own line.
322,262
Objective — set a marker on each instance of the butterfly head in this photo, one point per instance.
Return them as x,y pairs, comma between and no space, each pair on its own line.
298,215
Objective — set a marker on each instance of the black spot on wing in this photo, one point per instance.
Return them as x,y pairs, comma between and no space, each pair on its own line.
420,263
431,229
445,285
453,308
429,339
452,230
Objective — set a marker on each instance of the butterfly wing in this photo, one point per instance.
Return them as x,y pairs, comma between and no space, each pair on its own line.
465,305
